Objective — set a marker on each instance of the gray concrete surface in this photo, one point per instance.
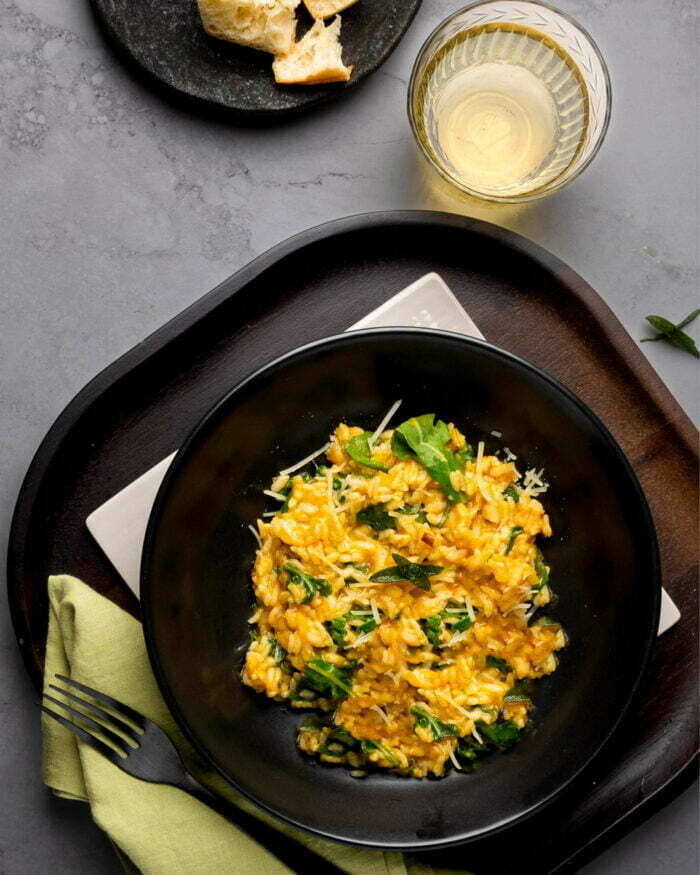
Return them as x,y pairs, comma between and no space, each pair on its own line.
117,211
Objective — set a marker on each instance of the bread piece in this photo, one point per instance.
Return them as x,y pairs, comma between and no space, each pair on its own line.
315,59
267,25
326,8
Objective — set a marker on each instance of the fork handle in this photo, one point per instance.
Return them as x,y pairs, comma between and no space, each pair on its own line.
297,857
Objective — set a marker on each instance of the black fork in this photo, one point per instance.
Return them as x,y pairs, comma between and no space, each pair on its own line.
142,749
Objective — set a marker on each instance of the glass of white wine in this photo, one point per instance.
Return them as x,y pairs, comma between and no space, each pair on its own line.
509,99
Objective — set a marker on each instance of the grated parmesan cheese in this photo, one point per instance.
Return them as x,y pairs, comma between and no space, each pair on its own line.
375,611
479,481
476,735
455,761
306,460
273,494
509,454
383,424
381,713
279,482
453,703
256,535
456,639
533,483
470,608
361,640
497,434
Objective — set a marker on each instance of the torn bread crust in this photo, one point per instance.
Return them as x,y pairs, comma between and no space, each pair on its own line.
327,8
266,25
315,59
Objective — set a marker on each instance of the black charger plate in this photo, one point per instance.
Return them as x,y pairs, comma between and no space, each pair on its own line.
198,554
165,42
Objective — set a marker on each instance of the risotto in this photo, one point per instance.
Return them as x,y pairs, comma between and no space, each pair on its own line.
399,595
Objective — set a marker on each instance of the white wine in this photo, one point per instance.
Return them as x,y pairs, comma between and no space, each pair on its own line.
502,109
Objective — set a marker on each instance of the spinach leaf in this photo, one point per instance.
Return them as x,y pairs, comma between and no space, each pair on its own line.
501,734
674,334
497,662
423,439
360,566
404,570
311,723
512,493
443,518
413,510
359,450
496,736
541,571
519,692
307,477
367,627
338,742
376,517
514,532
465,454
304,584
279,655
460,615
440,666
287,492
368,745
338,629
439,728
544,620
321,678
432,627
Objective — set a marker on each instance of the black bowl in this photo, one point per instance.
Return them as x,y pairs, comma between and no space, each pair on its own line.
196,591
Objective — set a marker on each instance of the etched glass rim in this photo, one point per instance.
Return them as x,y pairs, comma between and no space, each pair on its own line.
425,53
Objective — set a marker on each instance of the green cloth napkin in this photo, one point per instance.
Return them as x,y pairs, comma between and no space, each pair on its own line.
156,829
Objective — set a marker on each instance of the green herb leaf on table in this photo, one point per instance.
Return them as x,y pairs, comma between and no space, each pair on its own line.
302,584
438,728
423,439
674,334
376,517
359,450
514,532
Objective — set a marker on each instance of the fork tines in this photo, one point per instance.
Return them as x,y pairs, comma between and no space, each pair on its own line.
97,732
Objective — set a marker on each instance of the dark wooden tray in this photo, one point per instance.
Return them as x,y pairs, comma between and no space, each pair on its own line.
141,407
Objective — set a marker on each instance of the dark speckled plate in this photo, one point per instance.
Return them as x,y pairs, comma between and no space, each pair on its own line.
165,41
